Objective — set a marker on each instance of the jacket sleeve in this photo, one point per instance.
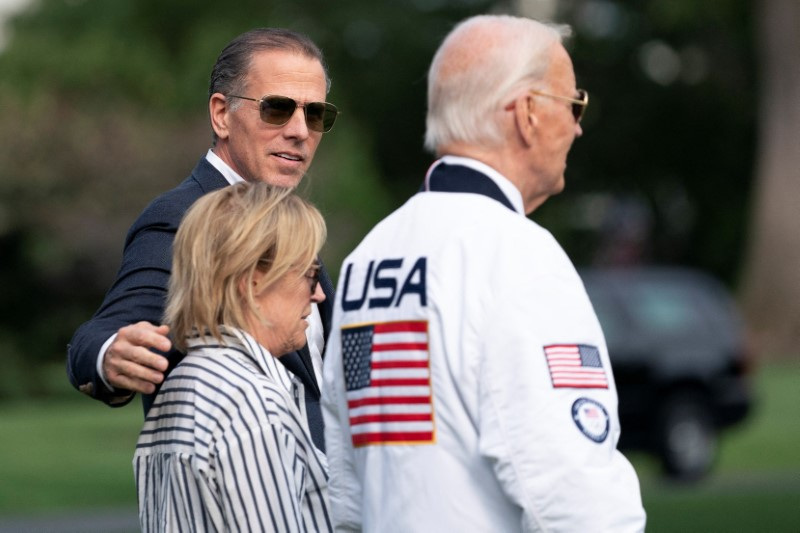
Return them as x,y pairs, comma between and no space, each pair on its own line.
343,484
562,479
138,292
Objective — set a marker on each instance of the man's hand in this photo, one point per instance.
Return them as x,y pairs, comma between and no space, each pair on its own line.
129,364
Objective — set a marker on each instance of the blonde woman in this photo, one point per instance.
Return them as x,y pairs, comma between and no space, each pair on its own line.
226,445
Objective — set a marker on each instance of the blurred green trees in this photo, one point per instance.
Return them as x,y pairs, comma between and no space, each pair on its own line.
104,106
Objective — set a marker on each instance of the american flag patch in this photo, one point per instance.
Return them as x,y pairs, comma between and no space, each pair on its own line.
388,381
576,366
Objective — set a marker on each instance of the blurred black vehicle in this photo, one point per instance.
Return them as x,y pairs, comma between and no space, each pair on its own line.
680,359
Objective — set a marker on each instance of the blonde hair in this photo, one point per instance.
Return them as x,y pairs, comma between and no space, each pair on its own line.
224,237
479,65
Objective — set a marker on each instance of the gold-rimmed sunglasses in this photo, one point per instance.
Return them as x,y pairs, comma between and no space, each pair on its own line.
579,104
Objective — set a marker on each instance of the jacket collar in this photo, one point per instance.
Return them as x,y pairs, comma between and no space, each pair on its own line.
460,174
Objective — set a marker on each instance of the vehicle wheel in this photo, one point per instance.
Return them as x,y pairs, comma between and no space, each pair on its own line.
687,437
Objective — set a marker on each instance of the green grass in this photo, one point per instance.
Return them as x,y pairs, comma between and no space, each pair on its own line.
74,453
66,454
746,507
756,484
770,439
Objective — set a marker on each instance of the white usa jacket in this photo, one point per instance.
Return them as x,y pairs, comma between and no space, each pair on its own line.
467,385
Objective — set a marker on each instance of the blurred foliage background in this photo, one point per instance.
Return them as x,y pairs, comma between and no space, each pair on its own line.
690,156
104,105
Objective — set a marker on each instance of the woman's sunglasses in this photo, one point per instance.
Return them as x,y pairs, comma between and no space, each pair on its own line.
313,277
277,110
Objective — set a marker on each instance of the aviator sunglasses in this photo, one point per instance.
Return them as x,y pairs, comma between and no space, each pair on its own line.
277,110
579,104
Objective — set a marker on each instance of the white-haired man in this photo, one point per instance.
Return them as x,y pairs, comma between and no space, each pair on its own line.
467,385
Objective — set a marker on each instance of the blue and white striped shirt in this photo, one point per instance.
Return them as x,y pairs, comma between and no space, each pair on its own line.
226,446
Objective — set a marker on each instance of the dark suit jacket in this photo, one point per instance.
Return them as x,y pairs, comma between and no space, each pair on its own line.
139,293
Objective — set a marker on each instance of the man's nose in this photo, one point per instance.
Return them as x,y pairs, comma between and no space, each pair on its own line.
296,127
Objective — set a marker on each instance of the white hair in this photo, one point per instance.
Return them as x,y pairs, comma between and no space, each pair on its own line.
481,62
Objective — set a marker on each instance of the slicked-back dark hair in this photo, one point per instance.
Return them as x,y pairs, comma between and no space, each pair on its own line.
233,64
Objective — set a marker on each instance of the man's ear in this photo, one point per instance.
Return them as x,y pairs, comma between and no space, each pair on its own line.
219,113
526,119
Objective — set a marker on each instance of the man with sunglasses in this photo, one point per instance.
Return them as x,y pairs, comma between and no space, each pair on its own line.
467,384
268,114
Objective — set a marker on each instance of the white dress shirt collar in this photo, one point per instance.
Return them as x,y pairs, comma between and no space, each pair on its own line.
227,172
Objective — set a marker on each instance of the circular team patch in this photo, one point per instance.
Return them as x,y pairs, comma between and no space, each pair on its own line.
591,418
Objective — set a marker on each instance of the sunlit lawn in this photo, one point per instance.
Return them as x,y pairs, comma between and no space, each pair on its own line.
756,485
73,453
66,454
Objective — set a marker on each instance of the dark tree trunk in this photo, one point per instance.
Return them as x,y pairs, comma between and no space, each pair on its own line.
771,289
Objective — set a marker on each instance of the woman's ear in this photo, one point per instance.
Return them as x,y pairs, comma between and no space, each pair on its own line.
249,284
